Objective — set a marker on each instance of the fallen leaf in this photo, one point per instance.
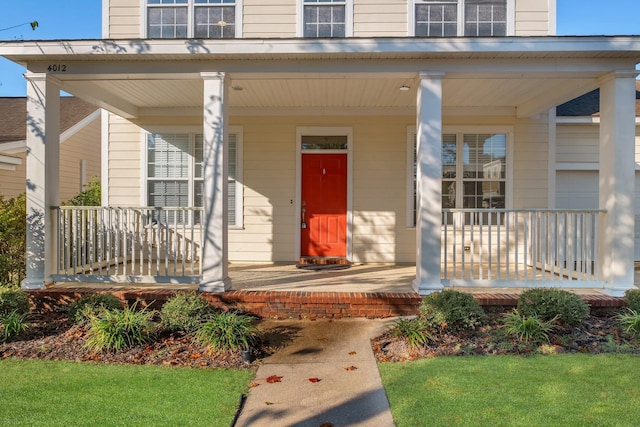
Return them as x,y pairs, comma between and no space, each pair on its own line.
253,385
326,425
274,379
268,403
350,368
314,380
323,339
194,356
352,353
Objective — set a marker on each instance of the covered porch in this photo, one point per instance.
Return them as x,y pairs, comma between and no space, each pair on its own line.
509,83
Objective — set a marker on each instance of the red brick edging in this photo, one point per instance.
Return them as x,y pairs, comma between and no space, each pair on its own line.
290,304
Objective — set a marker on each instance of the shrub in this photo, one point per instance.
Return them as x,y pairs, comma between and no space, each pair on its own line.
91,195
527,328
86,307
13,300
452,310
629,321
116,329
13,232
12,324
632,298
227,331
413,330
548,304
185,312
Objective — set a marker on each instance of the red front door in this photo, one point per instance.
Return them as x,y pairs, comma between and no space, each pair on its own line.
324,205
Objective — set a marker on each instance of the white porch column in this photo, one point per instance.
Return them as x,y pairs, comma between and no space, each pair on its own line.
617,179
43,165
429,184
215,276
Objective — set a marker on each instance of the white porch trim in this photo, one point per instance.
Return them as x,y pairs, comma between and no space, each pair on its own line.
617,179
215,275
429,184
43,164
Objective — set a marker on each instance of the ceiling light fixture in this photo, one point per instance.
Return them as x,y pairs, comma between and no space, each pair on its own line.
404,88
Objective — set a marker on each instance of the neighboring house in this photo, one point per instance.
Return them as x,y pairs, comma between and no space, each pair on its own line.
577,143
79,145
401,131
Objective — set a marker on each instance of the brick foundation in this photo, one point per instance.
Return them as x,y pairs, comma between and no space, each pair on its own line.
289,304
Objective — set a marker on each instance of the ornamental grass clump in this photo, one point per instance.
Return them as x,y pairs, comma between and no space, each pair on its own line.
12,324
629,321
90,306
528,328
413,330
547,303
452,310
227,330
185,312
117,329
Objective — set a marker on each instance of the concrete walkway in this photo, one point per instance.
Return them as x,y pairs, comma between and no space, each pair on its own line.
348,390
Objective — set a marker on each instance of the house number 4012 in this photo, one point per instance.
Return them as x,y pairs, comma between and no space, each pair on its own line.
57,68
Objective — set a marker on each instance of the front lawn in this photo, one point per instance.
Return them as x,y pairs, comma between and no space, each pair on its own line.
46,393
560,390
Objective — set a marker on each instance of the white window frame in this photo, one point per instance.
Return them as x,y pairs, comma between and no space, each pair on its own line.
458,130
348,17
192,132
191,5
511,17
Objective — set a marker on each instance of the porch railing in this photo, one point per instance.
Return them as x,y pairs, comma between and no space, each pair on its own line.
521,247
135,244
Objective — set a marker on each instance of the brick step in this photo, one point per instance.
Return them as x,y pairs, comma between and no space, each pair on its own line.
290,304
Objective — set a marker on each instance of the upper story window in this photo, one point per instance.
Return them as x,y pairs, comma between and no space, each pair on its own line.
326,18
204,19
469,18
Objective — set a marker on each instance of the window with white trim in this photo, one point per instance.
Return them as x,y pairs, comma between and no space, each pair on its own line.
469,18
474,171
325,18
203,19
174,172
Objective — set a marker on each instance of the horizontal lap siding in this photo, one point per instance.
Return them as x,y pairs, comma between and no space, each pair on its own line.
269,19
124,162
578,143
124,19
380,18
13,183
532,18
531,154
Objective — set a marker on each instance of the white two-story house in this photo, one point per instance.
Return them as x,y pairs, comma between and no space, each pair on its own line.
369,131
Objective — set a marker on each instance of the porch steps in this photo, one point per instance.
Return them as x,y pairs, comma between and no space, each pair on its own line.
290,304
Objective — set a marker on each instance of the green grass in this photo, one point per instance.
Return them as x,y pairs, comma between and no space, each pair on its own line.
562,390
45,393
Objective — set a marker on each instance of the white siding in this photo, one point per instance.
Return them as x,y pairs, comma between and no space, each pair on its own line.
532,18
380,18
269,18
125,19
124,162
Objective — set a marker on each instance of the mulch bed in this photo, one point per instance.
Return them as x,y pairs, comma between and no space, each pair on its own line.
599,333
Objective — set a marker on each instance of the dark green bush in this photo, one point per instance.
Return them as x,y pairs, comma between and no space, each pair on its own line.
413,330
632,298
117,329
452,310
86,307
227,331
13,231
549,303
185,312
13,300
91,195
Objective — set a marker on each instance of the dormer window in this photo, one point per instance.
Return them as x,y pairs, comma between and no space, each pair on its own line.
326,18
469,18
203,19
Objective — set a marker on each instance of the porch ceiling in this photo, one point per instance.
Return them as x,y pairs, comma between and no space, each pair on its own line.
137,78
